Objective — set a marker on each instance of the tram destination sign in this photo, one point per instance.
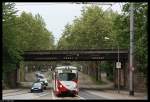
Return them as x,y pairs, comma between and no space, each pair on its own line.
67,71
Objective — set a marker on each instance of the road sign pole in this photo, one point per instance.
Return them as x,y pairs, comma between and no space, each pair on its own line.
118,82
118,71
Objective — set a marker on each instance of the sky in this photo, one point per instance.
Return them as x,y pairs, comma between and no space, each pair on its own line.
57,15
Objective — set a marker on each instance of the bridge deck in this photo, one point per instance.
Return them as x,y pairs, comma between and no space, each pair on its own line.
76,55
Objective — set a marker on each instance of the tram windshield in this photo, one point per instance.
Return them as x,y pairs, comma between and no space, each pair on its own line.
67,76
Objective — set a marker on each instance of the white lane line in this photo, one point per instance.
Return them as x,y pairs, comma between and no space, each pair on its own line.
100,94
53,95
43,94
80,97
15,93
22,96
11,91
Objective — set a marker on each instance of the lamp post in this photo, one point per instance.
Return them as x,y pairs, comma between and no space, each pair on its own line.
118,65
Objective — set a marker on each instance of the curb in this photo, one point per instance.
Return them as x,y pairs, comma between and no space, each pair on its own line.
100,89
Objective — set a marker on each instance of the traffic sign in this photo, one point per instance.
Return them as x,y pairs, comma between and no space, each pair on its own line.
118,64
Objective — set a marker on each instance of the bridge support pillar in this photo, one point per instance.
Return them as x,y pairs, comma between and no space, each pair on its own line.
123,75
126,74
88,69
96,70
93,69
99,71
18,73
21,72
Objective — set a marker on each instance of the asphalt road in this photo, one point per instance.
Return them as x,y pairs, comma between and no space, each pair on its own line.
88,96
25,94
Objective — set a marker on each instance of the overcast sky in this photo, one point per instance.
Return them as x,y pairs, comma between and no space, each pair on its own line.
57,15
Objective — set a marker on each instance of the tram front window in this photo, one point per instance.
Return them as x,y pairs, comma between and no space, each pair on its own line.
67,76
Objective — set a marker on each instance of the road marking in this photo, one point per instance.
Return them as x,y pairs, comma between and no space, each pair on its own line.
99,94
43,94
15,93
53,95
80,97
11,91
21,96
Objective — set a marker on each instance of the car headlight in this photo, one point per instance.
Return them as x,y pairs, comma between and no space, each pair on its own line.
39,87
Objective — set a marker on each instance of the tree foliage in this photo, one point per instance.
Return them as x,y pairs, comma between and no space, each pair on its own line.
140,33
20,33
10,49
89,30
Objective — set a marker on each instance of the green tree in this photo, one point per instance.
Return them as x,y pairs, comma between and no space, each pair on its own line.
20,33
34,34
88,30
11,51
122,27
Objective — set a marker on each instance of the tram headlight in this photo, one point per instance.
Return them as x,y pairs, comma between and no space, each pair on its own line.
60,85
76,86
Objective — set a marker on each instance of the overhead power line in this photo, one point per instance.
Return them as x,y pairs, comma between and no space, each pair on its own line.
37,4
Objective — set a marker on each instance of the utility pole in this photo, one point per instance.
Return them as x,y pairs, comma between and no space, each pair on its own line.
131,68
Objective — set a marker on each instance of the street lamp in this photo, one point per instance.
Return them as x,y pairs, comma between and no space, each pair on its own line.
118,65
106,38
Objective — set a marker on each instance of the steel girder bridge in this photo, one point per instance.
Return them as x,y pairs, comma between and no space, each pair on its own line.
94,55
76,55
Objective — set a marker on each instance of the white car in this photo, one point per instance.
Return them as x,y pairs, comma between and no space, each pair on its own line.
38,74
44,80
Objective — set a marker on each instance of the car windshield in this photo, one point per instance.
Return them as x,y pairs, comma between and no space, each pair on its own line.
41,77
37,85
67,76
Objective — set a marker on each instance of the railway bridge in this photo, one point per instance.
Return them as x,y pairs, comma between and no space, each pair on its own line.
92,55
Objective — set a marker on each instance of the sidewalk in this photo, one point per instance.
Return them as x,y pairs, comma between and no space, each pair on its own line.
123,95
106,90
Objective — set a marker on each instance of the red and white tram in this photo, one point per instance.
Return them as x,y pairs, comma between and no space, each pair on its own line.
65,80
